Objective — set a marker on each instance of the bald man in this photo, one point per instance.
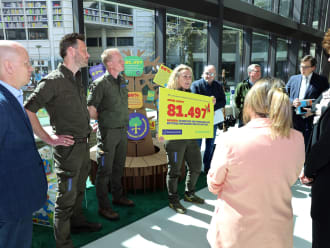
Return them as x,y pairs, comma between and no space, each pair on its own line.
23,184
208,86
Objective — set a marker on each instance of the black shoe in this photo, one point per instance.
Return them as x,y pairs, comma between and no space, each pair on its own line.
123,201
86,227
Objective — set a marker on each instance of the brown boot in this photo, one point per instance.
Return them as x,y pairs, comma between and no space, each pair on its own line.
123,201
108,213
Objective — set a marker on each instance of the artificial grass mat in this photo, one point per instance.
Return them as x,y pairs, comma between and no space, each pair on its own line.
145,204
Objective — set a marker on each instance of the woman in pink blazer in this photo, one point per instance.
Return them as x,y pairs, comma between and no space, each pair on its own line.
252,172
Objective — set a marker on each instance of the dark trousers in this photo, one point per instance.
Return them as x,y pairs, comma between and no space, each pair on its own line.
179,151
16,233
209,147
72,166
111,161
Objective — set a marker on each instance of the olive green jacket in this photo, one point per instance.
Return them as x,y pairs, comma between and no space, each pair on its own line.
110,97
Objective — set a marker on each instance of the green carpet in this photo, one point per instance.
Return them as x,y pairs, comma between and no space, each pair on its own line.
145,204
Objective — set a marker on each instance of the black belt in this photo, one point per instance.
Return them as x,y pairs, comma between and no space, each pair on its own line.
80,140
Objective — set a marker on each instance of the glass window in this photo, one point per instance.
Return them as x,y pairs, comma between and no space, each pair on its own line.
316,13
305,12
125,41
260,46
92,42
312,50
301,53
186,43
38,34
285,6
15,34
2,37
118,25
232,49
281,68
264,4
111,41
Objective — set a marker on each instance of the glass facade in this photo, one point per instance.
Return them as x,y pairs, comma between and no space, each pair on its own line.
232,53
281,62
316,13
186,43
260,46
264,4
305,11
285,7
109,24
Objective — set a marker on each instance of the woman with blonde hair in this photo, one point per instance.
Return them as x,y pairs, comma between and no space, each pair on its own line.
179,151
252,172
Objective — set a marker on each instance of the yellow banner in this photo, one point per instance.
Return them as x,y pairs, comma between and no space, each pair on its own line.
162,76
135,100
184,115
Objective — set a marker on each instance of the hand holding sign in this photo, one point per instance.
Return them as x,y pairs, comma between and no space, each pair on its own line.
184,115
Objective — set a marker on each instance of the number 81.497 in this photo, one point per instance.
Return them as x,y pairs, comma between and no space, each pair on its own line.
193,112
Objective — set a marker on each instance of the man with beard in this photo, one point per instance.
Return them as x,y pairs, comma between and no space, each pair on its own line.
63,95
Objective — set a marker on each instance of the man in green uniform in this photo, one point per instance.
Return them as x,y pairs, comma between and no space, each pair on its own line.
254,72
108,103
63,95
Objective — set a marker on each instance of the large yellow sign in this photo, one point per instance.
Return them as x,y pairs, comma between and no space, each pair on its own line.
184,115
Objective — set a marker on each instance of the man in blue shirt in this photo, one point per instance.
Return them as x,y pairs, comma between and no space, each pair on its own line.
208,86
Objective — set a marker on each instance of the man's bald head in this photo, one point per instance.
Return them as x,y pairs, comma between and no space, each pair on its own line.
9,50
15,68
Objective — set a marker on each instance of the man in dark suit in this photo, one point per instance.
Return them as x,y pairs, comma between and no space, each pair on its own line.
317,167
23,184
208,86
307,85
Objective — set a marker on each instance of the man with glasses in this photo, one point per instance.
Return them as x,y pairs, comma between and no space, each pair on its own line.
307,85
208,86
254,72
64,97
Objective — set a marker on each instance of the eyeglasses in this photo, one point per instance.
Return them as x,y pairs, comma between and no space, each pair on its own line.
305,67
209,74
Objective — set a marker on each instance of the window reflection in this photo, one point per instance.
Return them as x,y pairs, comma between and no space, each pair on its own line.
109,24
285,6
264,4
281,63
305,12
186,43
316,14
232,48
260,46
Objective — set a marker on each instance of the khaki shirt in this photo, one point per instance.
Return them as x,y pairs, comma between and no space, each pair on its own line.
63,96
110,97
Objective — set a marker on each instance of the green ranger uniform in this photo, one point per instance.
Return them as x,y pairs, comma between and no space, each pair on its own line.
179,151
63,96
240,93
110,97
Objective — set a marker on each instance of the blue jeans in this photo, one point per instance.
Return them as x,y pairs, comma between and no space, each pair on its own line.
16,233
209,146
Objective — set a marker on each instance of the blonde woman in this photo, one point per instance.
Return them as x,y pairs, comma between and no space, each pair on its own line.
180,151
252,173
